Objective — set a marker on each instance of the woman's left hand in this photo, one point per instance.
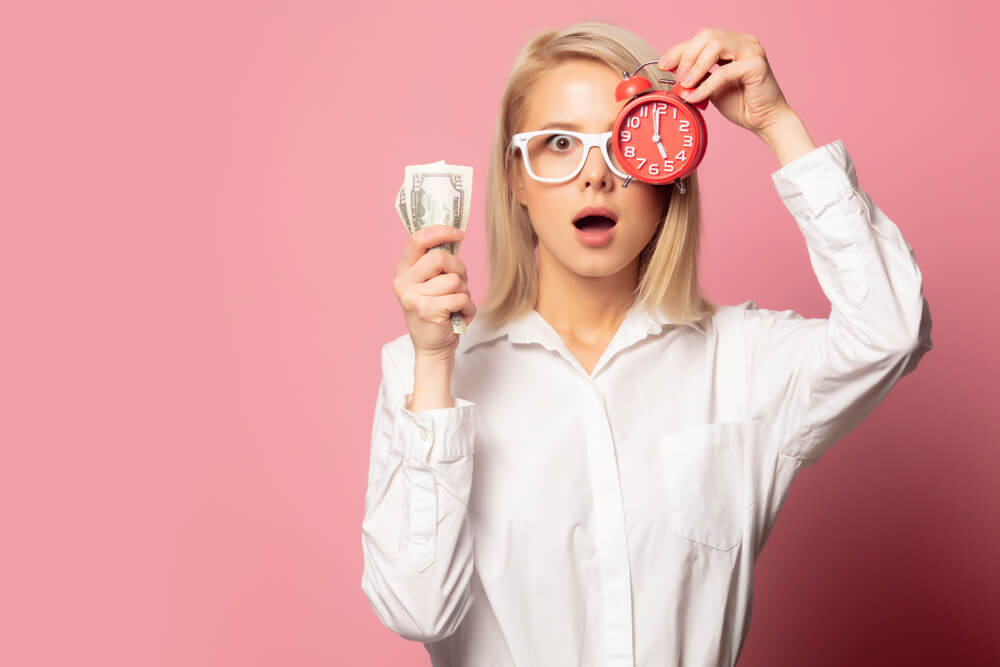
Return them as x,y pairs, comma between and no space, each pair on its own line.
742,88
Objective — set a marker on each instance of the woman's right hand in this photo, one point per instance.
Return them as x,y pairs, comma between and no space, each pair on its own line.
430,286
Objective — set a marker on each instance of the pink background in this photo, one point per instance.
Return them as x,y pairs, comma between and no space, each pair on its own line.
198,246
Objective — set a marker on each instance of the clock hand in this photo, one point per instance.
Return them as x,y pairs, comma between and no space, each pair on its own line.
656,134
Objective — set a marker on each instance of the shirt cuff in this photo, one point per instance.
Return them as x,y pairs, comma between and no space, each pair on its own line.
442,434
814,182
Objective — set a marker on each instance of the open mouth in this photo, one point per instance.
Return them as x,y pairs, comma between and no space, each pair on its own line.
594,222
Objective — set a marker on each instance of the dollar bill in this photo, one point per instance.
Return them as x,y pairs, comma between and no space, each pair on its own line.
436,193
401,209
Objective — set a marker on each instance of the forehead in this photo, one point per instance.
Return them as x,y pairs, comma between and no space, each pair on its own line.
577,93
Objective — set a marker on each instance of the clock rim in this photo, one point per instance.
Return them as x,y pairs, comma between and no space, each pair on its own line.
661,96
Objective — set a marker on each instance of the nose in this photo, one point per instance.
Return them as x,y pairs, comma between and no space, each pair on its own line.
596,172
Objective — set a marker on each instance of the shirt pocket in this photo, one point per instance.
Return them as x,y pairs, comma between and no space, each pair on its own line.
703,483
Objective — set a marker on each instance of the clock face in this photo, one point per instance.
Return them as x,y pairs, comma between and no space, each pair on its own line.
658,140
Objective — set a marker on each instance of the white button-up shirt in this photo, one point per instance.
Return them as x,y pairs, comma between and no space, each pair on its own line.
556,517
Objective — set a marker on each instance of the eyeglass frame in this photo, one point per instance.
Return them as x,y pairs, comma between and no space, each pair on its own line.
600,139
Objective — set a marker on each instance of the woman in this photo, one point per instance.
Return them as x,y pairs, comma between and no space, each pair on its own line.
633,442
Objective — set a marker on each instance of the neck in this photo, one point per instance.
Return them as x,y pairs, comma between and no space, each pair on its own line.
585,309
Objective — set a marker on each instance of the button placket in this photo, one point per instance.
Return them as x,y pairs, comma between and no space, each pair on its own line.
609,530
421,505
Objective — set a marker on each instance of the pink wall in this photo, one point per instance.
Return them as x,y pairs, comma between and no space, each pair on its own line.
198,245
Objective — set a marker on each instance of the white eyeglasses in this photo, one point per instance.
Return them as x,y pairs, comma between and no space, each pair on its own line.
557,156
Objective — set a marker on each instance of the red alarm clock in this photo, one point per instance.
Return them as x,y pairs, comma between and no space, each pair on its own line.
658,137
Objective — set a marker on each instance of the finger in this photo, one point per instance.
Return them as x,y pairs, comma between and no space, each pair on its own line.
429,264
425,238
717,50
717,80
671,56
469,310
714,53
687,60
433,264
449,264
452,303
446,283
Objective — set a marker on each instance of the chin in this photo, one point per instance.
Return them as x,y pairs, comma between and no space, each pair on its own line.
604,266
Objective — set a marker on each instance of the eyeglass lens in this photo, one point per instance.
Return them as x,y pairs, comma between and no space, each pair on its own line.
557,155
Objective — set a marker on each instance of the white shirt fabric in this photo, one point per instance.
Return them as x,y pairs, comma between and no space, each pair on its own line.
556,517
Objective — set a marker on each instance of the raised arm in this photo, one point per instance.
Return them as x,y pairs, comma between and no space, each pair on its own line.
415,534
819,378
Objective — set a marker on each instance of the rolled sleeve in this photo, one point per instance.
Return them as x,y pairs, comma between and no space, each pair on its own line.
442,434
814,182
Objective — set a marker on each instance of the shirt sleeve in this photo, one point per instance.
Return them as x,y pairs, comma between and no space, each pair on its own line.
416,540
819,378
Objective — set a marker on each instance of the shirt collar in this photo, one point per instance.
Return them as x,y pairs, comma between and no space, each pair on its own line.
532,328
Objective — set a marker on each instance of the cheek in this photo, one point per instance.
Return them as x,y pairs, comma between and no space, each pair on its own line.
548,207
648,203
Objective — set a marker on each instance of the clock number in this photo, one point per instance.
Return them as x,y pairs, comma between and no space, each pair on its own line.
681,156
644,111
668,165
633,121
626,135
684,125
674,109
630,151
688,141
642,161
661,108
654,168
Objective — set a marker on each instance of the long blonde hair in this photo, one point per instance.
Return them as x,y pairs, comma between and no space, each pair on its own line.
668,265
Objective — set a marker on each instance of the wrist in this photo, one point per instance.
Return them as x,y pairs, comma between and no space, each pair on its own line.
787,137
434,359
432,382
777,122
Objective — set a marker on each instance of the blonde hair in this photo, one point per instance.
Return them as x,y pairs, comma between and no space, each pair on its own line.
668,265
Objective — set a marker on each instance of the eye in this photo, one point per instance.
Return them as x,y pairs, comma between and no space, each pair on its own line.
560,142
